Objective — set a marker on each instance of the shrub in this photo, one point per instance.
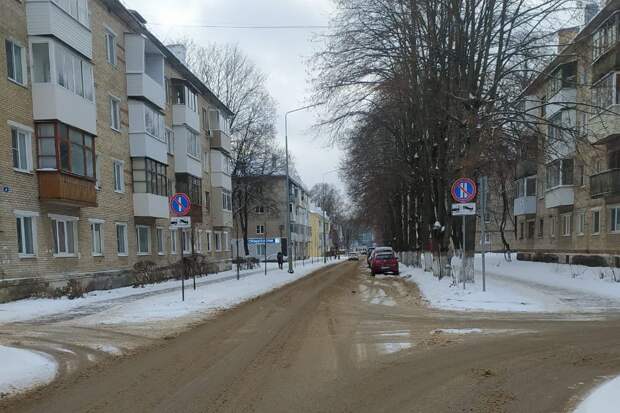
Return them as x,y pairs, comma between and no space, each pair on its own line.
589,260
546,258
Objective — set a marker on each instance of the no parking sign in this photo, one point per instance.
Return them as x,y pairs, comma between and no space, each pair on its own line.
464,190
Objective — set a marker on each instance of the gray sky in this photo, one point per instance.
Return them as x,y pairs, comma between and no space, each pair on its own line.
281,54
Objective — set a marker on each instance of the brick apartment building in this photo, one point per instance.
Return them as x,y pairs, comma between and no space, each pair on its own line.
104,123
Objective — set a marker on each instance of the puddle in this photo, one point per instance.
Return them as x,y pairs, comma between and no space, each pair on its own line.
389,348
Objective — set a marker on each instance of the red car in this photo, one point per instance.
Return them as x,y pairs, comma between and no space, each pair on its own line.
383,262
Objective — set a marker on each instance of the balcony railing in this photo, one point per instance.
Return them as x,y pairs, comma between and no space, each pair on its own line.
61,188
605,184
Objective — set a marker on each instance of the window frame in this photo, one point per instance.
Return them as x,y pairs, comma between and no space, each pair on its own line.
186,244
155,175
218,241
93,223
65,220
125,226
118,174
27,133
169,136
20,216
209,241
596,229
161,242
580,223
174,236
566,223
260,229
148,238
59,141
614,219
115,113
22,61
110,40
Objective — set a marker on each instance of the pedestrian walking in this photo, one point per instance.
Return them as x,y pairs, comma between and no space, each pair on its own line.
280,260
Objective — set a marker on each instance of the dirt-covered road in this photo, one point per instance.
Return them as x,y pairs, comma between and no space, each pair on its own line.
341,341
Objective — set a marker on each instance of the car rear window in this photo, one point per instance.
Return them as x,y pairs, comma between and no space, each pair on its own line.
385,255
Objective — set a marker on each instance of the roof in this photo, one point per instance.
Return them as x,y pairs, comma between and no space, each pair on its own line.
138,23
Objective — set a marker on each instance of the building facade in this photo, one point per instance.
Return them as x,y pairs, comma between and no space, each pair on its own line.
104,123
266,218
567,189
319,243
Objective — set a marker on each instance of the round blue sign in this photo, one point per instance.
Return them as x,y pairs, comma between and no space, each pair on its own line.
180,204
464,190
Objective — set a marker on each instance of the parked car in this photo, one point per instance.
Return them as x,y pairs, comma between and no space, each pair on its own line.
353,256
384,261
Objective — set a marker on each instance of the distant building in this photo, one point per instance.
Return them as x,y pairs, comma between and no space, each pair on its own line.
319,232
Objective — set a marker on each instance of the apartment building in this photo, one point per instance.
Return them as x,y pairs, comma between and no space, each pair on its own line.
266,219
567,196
319,243
104,122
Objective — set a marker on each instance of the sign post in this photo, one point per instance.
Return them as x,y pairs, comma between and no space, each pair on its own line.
180,206
464,192
483,214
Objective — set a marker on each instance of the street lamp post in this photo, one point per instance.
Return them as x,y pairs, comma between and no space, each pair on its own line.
324,217
286,192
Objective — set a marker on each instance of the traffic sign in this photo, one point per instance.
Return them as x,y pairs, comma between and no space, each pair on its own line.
464,190
464,209
253,241
180,222
180,204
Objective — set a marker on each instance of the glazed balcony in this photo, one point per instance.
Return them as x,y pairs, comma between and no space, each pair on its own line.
605,183
220,140
525,205
560,196
66,189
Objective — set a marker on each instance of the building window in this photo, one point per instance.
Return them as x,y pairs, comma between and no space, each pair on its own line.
26,234
186,241
487,238
72,72
259,209
199,241
41,72
78,9
559,173
261,249
566,220
121,239
522,230
226,241
21,143
15,62
552,226
226,200
260,229
96,232
205,119
614,219
170,141
115,113
193,144
541,227
149,176
218,241
191,186
605,37
154,123
531,229
182,95
64,236
160,241
606,92
119,176
205,161
110,46
580,223
596,222
77,149
209,241
143,234
173,241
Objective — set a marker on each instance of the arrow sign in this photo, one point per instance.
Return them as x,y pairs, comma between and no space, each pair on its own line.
180,204
180,222
463,209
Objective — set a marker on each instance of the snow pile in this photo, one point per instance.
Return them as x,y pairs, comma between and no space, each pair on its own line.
24,369
604,399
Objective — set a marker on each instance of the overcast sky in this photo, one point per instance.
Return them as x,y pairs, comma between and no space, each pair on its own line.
282,54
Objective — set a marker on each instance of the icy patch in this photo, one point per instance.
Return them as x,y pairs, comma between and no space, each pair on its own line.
457,331
107,348
603,399
23,369
397,333
390,348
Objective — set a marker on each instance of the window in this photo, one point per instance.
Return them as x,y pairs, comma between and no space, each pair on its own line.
226,200
191,186
96,232
40,63
522,230
186,241
77,149
21,143
209,240
606,92
193,144
205,161
121,239
552,226
261,249
64,235
98,162
149,176
541,227
115,113
581,175
596,222
110,46
15,62
205,119
72,72
160,241
173,241
218,241
225,241
119,176
559,173
614,219
170,141
182,95
260,229
207,204
565,76
566,220
487,238
580,223
26,233
143,234
259,209
154,123
531,229
605,37
199,241
78,9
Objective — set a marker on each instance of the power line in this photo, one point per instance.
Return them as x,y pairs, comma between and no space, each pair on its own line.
251,27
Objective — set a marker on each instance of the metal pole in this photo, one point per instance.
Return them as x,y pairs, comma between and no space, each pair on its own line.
288,200
483,204
237,242
463,259
265,247
193,253
182,267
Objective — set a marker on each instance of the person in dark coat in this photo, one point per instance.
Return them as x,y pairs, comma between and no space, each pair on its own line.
280,260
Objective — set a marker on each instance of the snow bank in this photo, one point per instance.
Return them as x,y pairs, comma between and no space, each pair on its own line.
24,369
603,399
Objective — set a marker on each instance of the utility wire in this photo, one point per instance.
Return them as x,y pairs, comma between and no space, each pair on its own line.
217,26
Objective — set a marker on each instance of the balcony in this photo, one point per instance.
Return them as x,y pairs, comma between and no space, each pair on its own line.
605,184
51,101
222,218
145,143
604,126
61,188
221,180
560,196
185,162
150,205
525,168
220,140
46,18
145,70
183,115
525,205
565,98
